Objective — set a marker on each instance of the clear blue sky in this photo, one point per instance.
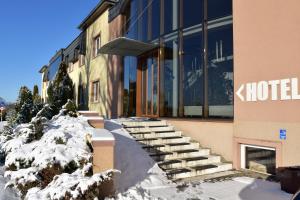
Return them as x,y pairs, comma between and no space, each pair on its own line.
30,33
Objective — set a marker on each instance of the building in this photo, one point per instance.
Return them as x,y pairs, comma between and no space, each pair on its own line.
224,72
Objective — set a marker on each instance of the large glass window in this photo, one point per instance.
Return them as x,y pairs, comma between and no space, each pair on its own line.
131,17
171,78
130,67
170,15
192,12
192,75
143,20
219,9
220,71
155,19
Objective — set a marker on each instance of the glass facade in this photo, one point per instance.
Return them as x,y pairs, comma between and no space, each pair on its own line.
53,67
192,73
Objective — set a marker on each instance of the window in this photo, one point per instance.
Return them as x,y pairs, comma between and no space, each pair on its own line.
170,15
192,72
97,45
95,91
220,71
155,19
81,60
192,12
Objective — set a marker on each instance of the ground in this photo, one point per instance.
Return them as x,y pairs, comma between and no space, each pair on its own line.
141,178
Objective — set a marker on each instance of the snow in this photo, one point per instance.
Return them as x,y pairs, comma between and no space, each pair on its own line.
141,178
74,185
2,124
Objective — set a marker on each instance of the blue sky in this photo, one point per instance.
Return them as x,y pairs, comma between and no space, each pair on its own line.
30,33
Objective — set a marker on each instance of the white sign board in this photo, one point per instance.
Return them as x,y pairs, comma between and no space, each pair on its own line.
284,89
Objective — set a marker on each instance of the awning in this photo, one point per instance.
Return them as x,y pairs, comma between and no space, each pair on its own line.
126,47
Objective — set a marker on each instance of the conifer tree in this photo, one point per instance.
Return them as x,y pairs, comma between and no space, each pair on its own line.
61,88
24,106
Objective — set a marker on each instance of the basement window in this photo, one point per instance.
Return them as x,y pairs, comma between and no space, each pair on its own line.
259,159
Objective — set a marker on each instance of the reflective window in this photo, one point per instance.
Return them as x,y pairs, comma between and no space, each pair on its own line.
155,19
53,67
192,75
170,15
130,67
219,9
143,20
220,71
171,79
192,12
131,17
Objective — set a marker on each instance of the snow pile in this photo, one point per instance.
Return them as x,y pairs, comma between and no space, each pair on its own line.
43,154
72,186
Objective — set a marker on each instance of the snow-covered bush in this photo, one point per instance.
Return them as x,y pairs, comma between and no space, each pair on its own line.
74,186
42,149
24,106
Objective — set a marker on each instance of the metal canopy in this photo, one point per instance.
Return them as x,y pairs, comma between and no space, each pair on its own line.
126,47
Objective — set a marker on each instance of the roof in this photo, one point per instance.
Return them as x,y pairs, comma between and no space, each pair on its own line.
100,7
43,69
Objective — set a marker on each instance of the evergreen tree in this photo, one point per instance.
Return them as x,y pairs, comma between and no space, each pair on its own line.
35,91
24,106
61,88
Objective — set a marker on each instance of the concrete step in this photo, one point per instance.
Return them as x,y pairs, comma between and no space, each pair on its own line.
181,154
179,173
171,147
156,134
87,113
164,140
150,129
189,162
132,124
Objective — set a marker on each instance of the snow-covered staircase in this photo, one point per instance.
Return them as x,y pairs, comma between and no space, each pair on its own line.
177,155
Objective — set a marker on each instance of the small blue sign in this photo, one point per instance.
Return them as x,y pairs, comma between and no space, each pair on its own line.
282,134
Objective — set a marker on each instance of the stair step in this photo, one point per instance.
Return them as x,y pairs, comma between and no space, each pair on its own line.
158,135
178,144
176,172
187,151
195,158
150,129
164,140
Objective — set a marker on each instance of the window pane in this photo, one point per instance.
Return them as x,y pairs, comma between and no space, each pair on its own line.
129,86
220,71
171,78
170,15
131,16
149,85
219,9
192,12
192,75
155,19
143,21
155,84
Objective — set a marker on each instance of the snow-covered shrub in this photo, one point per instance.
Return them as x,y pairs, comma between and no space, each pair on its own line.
70,108
73,186
43,149
46,112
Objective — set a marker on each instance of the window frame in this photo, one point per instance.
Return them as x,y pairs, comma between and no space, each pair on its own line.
95,45
93,99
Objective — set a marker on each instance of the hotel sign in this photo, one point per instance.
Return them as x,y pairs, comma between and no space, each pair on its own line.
284,89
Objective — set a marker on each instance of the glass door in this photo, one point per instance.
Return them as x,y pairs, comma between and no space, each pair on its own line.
149,85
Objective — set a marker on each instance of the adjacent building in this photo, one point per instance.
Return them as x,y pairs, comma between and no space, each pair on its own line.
224,72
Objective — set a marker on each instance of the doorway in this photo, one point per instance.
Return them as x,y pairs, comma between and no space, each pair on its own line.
148,85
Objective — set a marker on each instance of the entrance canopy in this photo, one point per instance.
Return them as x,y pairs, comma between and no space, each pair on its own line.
126,47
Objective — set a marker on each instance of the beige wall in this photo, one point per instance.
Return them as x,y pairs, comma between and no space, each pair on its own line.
96,67
266,47
217,136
